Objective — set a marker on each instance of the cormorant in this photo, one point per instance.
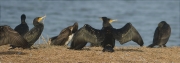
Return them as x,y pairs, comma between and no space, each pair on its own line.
23,27
9,36
65,35
33,35
161,35
106,36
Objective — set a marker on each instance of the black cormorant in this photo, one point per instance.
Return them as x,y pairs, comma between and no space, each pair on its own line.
23,27
33,35
106,36
9,36
65,35
161,35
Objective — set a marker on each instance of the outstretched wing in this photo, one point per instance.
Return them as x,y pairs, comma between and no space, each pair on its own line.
127,33
53,38
3,36
89,34
61,38
12,37
17,40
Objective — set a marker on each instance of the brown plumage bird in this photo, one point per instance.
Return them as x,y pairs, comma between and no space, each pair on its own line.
65,35
10,36
33,35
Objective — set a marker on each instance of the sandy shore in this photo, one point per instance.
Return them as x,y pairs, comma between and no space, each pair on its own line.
60,54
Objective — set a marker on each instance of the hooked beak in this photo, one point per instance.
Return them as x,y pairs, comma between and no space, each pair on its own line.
100,18
41,18
112,20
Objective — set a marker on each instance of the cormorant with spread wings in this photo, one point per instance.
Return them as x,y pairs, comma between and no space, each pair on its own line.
106,36
12,37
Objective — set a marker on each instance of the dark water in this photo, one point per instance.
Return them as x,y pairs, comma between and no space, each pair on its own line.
144,15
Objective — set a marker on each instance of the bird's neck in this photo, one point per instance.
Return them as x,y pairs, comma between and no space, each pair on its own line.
23,21
38,24
106,24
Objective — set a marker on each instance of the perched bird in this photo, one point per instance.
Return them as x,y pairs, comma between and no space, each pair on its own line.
106,36
9,36
23,27
65,35
33,35
161,35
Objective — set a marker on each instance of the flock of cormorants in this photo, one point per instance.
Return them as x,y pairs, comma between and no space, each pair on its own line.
22,37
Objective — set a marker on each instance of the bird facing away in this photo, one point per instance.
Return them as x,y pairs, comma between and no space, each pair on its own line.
9,36
106,36
161,35
23,27
33,35
65,35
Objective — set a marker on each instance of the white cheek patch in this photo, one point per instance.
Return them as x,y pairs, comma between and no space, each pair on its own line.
69,39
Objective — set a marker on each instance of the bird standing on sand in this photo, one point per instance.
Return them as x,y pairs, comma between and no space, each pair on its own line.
23,27
161,35
33,35
106,36
65,35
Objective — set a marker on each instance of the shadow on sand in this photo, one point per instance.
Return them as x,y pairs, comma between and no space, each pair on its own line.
121,49
12,52
128,50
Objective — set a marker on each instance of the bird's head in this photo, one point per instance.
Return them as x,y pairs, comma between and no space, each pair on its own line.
23,17
38,20
161,24
105,19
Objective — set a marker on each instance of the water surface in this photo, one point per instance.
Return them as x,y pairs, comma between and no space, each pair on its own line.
144,15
